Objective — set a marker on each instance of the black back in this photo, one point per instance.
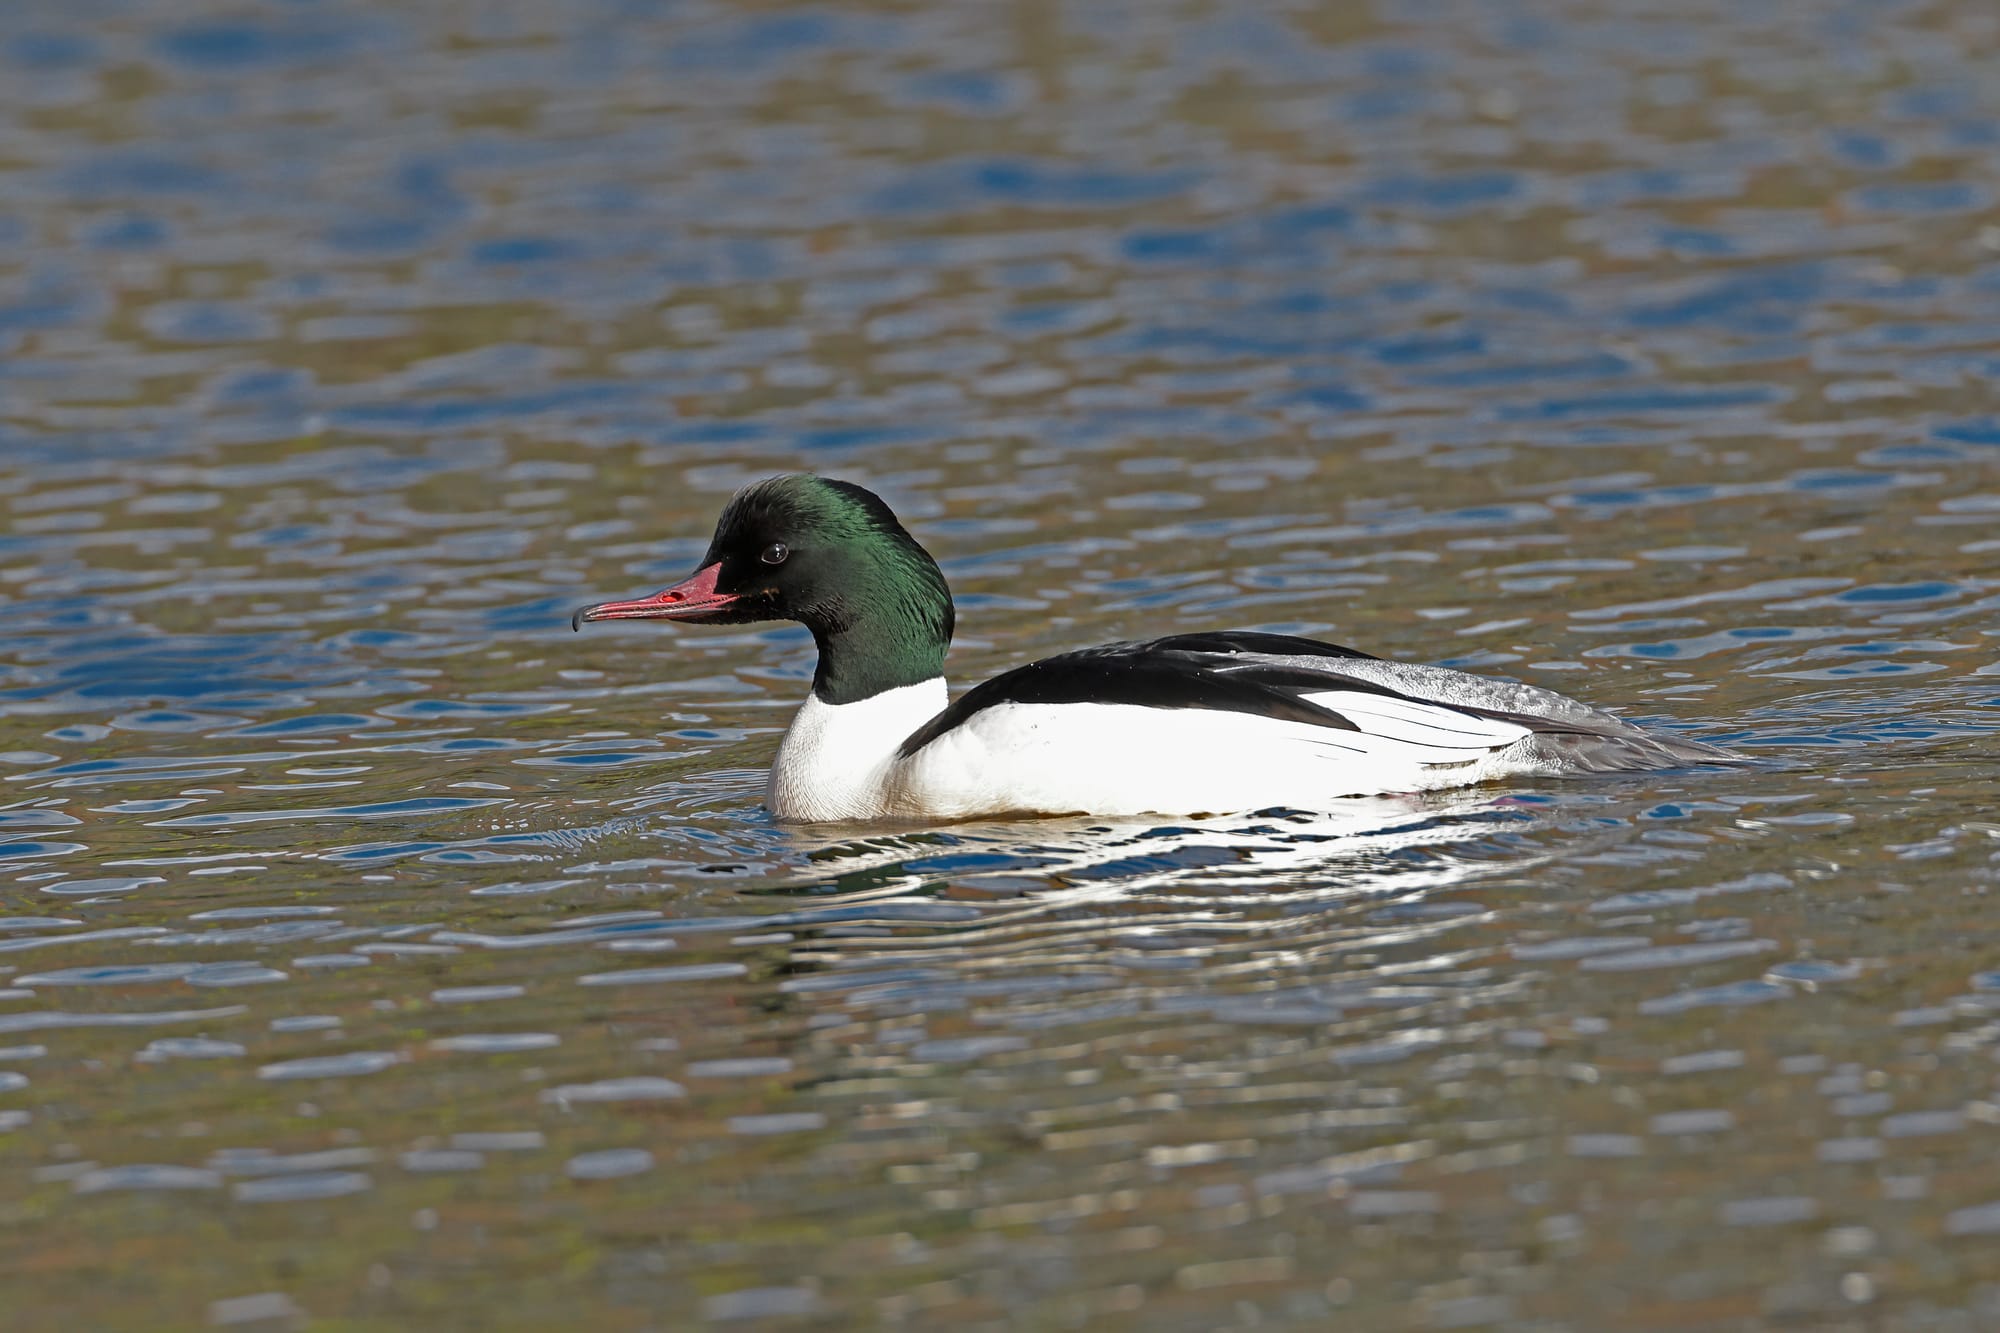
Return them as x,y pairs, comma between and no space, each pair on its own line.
1226,670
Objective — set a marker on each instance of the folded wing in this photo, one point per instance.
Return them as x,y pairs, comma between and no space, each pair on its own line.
1433,715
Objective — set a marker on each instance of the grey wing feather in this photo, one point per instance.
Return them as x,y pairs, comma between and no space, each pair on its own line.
1568,736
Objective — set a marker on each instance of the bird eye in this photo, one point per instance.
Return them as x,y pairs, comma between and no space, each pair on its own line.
775,553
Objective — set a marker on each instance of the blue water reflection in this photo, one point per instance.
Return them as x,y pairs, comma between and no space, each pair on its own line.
346,349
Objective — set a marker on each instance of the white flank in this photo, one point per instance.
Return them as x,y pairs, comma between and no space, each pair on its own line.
839,761
1121,759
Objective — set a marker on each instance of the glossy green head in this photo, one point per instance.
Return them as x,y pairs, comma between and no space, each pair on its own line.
830,555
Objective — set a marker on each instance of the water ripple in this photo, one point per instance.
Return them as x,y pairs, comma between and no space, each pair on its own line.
1427,336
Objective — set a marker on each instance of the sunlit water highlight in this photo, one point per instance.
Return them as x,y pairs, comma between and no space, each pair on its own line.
372,949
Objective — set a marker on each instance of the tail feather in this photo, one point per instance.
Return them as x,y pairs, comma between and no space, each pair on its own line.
1625,751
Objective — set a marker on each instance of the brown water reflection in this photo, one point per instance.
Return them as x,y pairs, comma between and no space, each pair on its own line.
373,951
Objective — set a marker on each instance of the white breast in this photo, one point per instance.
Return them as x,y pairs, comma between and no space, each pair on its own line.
835,760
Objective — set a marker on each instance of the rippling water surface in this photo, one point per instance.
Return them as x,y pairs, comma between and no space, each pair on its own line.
376,952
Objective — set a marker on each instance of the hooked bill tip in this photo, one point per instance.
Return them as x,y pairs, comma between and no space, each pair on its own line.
576,621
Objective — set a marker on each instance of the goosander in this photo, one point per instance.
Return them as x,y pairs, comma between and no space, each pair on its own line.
1214,722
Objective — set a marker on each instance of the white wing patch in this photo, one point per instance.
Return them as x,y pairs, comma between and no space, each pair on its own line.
1453,734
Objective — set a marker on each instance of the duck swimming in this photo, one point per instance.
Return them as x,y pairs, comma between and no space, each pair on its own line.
1215,722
